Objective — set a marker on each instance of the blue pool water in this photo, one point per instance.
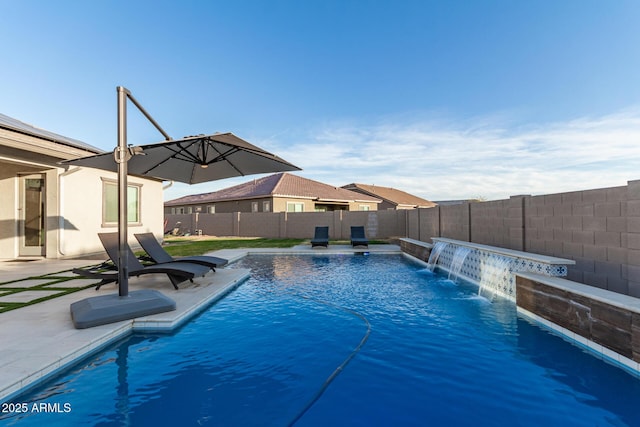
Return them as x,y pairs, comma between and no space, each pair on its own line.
343,341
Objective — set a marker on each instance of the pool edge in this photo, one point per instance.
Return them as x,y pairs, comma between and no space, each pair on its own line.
24,373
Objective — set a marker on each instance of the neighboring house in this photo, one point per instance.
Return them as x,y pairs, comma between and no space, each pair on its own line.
391,197
53,211
281,192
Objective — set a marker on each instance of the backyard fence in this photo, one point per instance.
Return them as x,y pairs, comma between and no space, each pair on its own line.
599,229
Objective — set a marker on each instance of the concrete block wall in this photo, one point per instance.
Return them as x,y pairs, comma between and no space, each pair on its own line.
489,224
391,223
455,222
182,221
222,224
587,226
429,223
302,224
423,224
413,225
632,238
259,224
367,219
515,222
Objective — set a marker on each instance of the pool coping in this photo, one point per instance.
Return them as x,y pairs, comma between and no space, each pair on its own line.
546,259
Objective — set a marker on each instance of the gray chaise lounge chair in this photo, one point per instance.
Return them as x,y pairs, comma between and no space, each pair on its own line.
358,237
321,237
178,272
158,255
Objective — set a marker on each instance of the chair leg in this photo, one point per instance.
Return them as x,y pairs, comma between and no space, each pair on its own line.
175,280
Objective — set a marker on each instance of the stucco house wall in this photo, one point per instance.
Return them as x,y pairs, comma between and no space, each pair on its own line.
71,199
82,200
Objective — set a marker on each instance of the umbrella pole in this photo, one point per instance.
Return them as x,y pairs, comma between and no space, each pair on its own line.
121,159
100,310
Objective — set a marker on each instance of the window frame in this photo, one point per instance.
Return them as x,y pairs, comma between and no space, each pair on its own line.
107,213
294,204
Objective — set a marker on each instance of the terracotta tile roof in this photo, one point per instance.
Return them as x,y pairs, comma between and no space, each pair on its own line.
392,195
277,185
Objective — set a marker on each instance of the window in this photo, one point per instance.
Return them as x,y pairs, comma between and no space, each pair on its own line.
189,209
211,209
266,206
295,207
254,206
110,203
364,207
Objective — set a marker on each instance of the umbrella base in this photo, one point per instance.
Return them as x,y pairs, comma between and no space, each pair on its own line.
104,309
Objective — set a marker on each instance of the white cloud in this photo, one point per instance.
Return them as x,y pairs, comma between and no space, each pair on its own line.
482,157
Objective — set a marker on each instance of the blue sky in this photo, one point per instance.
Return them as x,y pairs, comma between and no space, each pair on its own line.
444,99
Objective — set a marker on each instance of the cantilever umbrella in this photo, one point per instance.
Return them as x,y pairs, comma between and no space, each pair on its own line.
191,160
194,159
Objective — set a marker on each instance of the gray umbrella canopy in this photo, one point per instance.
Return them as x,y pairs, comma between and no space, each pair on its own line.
191,160
194,159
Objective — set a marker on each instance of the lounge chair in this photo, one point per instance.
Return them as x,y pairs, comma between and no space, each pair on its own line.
158,255
178,272
321,237
358,237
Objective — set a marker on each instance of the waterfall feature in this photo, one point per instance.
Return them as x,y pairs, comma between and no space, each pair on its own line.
458,261
494,270
435,254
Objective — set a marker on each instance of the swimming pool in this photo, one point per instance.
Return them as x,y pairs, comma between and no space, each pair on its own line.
342,340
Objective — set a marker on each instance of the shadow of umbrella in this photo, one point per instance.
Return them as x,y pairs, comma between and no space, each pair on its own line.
191,160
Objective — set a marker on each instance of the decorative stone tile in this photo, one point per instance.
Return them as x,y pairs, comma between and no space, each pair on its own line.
476,263
27,296
75,283
30,283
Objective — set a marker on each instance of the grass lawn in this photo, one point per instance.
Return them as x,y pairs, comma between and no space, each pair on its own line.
198,245
185,246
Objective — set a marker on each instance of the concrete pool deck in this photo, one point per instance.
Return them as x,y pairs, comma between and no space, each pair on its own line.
39,340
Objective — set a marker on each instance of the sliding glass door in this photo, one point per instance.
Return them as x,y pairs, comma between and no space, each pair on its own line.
32,215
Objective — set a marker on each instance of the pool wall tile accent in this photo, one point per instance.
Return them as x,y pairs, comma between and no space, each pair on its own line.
481,257
416,248
598,316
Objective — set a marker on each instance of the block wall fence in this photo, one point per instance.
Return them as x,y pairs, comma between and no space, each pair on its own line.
599,229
